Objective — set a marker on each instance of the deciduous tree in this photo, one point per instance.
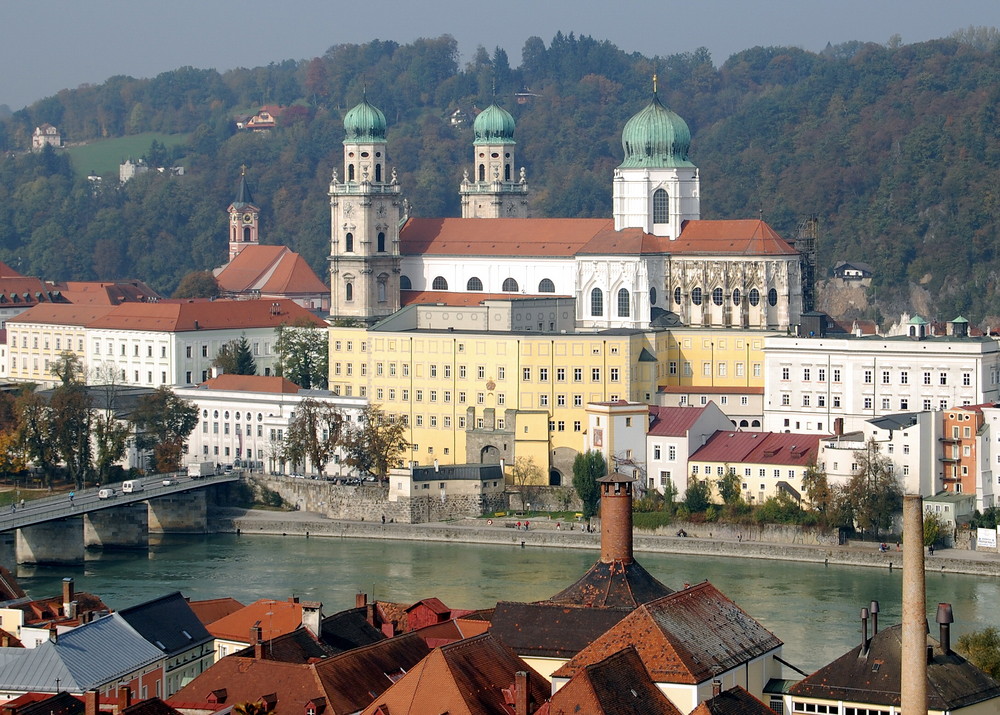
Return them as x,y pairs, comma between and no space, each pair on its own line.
982,648
163,422
697,497
303,354
729,486
377,443
236,358
197,284
874,492
315,433
35,435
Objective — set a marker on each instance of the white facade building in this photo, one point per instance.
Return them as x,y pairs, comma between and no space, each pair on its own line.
816,384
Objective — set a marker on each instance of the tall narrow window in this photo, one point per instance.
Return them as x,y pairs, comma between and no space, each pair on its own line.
350,172
349,291
246,234
378,172
596,302
677,296
506,172
623,304
482,172
696,296
474,284
382,281
381,242
349,243
661,206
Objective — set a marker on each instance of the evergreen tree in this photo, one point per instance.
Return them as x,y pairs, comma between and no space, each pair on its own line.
588,467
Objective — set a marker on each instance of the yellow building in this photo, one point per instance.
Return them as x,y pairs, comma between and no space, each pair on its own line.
711,358
37,338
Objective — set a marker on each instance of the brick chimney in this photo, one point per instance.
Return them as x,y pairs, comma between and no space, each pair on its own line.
68,593
521,693
616,518
91,702
124,697
257,640
360,600
913,676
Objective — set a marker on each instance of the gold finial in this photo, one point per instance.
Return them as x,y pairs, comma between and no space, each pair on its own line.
654,83
243,170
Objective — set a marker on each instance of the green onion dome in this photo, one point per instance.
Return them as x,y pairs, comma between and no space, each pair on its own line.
494,125
364,123
656,138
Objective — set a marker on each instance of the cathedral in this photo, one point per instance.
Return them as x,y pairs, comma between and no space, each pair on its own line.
655,263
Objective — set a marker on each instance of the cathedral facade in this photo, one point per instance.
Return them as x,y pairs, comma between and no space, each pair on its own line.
654,263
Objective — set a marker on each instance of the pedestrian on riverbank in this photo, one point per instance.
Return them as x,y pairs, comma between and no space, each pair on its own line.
518,526
526,524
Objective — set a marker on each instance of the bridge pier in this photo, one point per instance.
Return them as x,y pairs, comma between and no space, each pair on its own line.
56,542
123,527
181,513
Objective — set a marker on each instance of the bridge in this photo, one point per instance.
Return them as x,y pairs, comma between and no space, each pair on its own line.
57,529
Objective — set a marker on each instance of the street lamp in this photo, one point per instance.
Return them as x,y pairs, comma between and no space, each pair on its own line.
528,505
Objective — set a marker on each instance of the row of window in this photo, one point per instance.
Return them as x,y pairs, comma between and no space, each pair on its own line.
869,402
721,471
46,340
379,242
445,372
597,303
722,368
123,349
544,399
904,378
718,296
475,285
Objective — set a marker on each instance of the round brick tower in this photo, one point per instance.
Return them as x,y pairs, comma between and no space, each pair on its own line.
616,518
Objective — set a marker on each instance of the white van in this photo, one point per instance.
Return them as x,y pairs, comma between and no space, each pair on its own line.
106,493
131,486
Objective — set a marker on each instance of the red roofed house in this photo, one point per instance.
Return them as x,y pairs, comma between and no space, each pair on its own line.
743,405
655,261
768,463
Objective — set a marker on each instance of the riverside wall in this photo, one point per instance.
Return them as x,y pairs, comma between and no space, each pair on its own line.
272,523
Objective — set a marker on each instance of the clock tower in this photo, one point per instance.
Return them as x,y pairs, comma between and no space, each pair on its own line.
366,212
494,190
244,219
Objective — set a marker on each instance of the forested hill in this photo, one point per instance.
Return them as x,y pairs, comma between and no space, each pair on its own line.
895,149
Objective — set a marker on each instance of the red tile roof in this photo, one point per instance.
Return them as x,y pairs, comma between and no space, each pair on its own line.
252,383
792,450
735,701
105,292
205,315
8,272
212,609
274,618
271,270
62,314
564,238
673,421
687,637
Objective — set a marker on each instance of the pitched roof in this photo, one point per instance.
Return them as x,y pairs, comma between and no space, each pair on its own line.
187,316
786,449
348,629
251,383
270,270
873,676
673,421
612,585
300,646
8,272
735,701
168,623
273,617
687,637
105,292
62,314
151,706
212,609
551,630
86,657
467,677
564,238
15,288
617,685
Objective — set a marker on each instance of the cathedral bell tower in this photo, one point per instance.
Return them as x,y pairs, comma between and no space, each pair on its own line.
656,188
366,212
494,191
244,219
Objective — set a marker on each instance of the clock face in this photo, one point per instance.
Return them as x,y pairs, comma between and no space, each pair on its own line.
247,218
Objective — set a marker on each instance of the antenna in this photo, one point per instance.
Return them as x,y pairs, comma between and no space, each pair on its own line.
654,83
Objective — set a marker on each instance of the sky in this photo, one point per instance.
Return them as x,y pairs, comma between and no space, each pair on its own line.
58,44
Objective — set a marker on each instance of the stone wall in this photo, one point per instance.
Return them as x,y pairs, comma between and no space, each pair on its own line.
763,533
371,503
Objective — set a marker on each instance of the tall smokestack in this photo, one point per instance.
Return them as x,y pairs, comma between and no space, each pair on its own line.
945,618
616,518
864,631
873,609
913,680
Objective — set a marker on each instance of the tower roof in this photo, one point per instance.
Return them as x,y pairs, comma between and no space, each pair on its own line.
364,123
656,137
494,125
243,195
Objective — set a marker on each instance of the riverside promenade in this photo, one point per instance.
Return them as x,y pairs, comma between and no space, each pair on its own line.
544,534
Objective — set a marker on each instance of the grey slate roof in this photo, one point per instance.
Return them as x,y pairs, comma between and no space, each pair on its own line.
86,657
168,623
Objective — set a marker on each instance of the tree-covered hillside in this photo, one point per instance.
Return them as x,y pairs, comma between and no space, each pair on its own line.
896,149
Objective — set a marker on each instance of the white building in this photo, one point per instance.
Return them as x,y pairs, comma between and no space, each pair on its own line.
45,135
837,383
673,435
245,418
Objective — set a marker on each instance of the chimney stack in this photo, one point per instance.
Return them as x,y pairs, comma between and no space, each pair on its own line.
312,616
68,593
360,600
257,640
616,518
124,697
521,693
91,702
864,631
873,609
716,688
945,617
913,678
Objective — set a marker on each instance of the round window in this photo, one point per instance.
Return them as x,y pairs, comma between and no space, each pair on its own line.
215,414
226,416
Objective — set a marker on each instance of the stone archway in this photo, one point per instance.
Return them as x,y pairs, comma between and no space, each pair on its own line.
489,455
555,478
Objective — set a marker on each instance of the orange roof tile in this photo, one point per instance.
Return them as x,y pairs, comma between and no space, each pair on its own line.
252,383
275,618
269,269
212,609
105,292
205,315
62,314
8,272
740,237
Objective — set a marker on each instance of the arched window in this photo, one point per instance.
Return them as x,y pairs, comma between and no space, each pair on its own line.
677,295
378,172
546,286
439,283
696,296
404,283
349,243
246,234
661,206
755,423
482,172
652,296
349,292
772,297
596,302
506,172
350,172
510,285
754,297
381,242
383,281
474,284
736,296
717,296
623,304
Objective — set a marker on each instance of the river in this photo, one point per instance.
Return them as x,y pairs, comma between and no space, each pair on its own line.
813,608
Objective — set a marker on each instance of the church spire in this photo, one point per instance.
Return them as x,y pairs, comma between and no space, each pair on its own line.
244,218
